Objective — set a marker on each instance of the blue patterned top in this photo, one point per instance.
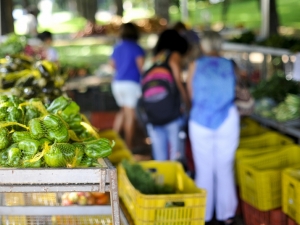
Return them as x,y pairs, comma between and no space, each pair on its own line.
213,94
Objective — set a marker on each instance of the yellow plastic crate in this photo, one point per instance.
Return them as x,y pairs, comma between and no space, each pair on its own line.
270,138
244,153
250,127
118,155
14,220
153,209
42,199
82,220
14,199
260,177
109,134
291,193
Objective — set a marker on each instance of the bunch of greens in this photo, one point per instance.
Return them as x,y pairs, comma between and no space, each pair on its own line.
276,88
35,135
289,109
14,44
143,181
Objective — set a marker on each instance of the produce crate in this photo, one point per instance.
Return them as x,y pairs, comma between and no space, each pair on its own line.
244,153
253,216
109,134
270,138
14,220
290,221
260,177
291,193
153,209
250,127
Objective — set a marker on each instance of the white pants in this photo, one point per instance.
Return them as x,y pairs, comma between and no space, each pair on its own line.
214,152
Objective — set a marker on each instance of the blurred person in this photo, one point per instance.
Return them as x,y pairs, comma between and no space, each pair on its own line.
48,52
214,128
193,39
169,49
29,21
127,59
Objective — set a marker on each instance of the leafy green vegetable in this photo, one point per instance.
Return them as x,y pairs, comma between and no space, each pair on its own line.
143,181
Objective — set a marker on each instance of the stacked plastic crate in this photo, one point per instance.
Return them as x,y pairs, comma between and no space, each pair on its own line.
185,207
260,160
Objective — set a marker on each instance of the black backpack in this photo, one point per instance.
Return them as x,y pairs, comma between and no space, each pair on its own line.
160,96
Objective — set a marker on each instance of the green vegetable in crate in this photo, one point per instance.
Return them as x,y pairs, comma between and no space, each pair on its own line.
31,112
3,158
3,113
88,161
143,181
56,129
43,141
29,147
74,123
18,136
27,163
36,128
3,98
14,114
54,157
99,148
71,109
58,104
4,138
62,154
13,155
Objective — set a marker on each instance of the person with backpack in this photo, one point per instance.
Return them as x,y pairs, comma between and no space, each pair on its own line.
214,128
162,96
127,59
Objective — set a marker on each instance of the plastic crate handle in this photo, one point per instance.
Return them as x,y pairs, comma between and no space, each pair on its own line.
291,199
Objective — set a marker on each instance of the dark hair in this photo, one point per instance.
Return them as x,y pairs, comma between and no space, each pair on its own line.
179,26
129,31
171,40
45,35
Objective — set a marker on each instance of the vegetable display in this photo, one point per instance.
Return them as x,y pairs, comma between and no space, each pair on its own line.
143,181
24,77
35,135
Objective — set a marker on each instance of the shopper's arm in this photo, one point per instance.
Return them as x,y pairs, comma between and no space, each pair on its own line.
112,64
140,63
191,71
175,62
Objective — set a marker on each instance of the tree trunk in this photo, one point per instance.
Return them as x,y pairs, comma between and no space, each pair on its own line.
119,6
225,7
25,4
87,9
162,8
6,18
274,18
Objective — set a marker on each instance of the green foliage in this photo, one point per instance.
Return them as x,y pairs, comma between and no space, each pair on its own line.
143,181
14,44
277,88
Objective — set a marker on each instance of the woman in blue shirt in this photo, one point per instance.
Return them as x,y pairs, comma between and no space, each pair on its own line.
128,60
214,127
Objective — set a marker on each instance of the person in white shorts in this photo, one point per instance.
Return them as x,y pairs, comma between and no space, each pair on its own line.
128,60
